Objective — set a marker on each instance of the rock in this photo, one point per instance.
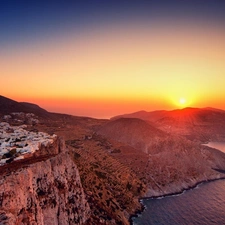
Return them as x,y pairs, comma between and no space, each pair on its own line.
46,192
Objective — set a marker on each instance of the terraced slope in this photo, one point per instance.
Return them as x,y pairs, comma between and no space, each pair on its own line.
112,187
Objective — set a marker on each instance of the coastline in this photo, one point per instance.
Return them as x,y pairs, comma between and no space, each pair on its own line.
138,212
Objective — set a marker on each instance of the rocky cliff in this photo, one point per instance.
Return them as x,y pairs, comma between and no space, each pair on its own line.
165,163
46,191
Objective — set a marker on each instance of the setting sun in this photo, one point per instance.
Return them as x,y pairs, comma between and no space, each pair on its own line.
100,65
182,101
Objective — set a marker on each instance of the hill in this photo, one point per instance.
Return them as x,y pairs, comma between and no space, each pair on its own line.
8,106
118,160
132,131
165,162
201,124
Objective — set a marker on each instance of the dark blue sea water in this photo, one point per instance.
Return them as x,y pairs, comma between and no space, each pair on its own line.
204,205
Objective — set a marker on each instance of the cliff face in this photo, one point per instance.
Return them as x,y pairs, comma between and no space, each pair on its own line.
43,192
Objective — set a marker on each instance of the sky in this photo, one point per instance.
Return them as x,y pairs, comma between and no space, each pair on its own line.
103,58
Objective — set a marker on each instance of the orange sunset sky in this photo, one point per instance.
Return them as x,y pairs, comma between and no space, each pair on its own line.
115,59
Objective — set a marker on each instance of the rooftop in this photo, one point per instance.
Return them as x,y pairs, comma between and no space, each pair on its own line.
16,142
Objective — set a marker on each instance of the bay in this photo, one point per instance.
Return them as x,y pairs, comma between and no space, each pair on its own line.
203,205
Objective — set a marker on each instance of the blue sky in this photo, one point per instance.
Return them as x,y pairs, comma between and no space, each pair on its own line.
22,21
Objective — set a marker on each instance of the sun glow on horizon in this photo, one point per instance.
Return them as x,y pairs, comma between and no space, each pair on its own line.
119,67
182,101
188,101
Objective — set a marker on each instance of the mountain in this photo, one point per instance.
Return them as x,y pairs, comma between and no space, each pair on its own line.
144,115
107,192
165,162
98,171
201,124
8,106
200,114
132,131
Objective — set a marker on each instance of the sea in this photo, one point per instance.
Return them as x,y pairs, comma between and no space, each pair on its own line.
203,205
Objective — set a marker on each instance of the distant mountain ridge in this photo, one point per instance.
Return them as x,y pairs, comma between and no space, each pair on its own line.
8,106
203,124
159,114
